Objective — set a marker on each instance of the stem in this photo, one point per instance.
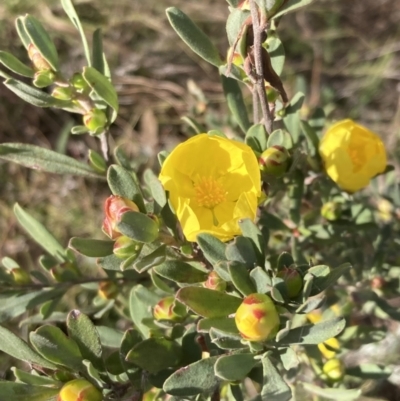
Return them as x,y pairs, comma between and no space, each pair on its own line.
256,116
105,149
258,30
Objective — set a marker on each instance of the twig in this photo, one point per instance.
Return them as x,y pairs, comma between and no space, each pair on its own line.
258,30
104,145
256,106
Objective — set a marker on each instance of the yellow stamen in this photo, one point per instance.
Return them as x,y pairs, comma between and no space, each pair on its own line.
209,192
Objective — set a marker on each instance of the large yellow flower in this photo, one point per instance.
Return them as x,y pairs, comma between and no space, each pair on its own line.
352,155
213,182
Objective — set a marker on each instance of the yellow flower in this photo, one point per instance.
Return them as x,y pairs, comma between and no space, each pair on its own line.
352,155
213,182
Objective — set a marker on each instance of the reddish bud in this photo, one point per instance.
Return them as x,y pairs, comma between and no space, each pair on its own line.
114,207
215,282
107,290
257,318
167,309
274,161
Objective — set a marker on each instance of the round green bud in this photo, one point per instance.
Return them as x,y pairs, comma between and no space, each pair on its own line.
79,83
79,390
334,369
62,93
125,247
274,161
293,281
20,276
44,78
257,318
95,120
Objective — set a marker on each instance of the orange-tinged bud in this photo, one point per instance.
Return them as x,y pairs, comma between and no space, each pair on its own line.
79,390
95,120
20,276
378,282
257,318
215,282
125,247
45,78
331,210
107,290
166,309
293,281
334,369
274,161
114,207
38,61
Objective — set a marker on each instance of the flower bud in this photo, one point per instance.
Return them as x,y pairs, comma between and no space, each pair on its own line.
237,59
95,120
331,210
272,94
38,61
62,93
44,78
215,282
79,83
166,309
293,281
125,247
334,369
65,272
114,207
329,348
274,161
79,390
20,276
378,282
257,318
107,290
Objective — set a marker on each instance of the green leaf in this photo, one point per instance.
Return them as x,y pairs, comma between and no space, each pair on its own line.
97,161
213,248
38,158
193,36
369,371
41,39
289,358
97,51
94,248
225,340
235,24
285,259
110,262
333,393
19,349
16,304
242,250
296,190
156,188
224,324
274,387
82,330
35,96
138,227
314,333
109,337
321,283
155,354
292,117
22,392
40,234
234,99
291,5
277,53
151,259
122,183
312,138
180,272
234,367
250,230
54,345
103,88
13,64
208,303
130,339
241,278
261,280
280,137
197,378
141,301
34,379
25,39
256,138
73,16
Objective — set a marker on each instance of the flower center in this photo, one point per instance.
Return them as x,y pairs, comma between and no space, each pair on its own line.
209,192
357,157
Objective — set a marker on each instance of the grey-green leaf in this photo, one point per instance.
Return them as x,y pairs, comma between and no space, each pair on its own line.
40,234
213,248
234,99
138,227
54,345
291,5
333,393
193,36
314,333
274,387
196,378
13,64
156,188
256,138
180,272
241,278
234,367
11,391
94,248
19,349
